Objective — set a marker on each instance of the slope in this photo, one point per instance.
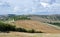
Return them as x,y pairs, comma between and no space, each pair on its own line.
36,25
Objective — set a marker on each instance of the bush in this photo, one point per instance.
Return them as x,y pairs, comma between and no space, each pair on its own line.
24,30
31,31
6,27
56,23
21,30
39,32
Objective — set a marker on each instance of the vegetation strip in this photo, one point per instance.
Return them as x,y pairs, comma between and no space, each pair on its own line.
7,27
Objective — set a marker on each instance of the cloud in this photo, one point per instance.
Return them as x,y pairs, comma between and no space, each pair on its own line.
45,4
54,8
30,6
15,9
5,8
1,3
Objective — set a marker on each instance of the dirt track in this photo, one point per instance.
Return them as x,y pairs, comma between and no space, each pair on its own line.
39,26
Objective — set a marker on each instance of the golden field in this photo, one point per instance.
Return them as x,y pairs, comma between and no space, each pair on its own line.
36,25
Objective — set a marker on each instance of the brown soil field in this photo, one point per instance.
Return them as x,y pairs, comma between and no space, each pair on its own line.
36,25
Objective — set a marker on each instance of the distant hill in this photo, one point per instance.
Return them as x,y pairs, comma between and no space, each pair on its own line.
33,22
42,18
45,18
10,17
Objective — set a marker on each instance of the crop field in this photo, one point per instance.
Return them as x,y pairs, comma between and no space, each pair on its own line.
36,25
48,31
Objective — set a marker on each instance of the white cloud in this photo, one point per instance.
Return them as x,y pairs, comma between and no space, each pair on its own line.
15,9
31,6
45,4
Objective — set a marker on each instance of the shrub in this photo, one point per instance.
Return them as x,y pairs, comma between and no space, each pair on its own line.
31,31
55,23
21,30
6,27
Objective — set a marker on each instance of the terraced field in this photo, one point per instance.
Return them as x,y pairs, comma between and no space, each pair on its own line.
36,25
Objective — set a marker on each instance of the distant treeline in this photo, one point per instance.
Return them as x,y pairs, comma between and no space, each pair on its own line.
18,17
7,28
56,23
14,17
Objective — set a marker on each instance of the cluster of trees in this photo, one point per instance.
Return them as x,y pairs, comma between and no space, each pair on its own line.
21,18
17,17
56,23
7,27
11,17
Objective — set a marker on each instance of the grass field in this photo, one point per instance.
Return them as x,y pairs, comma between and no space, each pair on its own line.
20,34
36,25
49,31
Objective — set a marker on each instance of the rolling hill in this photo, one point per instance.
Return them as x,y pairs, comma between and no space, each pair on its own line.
36,25
45,18
36,22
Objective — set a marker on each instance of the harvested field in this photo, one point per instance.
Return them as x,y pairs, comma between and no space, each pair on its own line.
36,25
20,34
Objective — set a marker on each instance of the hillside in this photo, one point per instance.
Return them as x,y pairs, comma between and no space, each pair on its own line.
51,19
36,25
42,18
45,18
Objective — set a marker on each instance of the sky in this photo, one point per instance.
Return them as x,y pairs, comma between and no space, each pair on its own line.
30,7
